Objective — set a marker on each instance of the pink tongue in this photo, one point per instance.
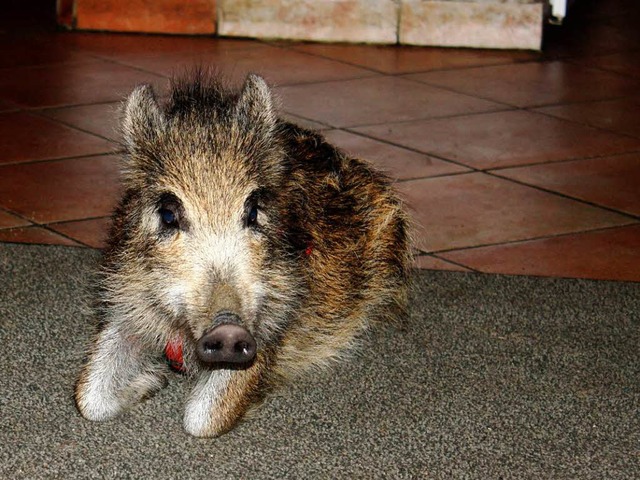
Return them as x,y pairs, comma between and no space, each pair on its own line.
173,352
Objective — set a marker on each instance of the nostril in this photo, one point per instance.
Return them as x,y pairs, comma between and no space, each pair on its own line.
241,347
213,346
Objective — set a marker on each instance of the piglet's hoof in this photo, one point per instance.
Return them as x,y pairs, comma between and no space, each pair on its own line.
227,346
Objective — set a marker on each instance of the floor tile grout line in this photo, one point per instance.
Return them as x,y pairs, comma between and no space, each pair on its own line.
598,68
37,223
45,227
73,127
330,127
398,122
48,64
438,157
311,54
583,102
471,269
515,106
76,105
437,175
472,168
60,159
475,169
560,162
529,239
459,264
16,214
379,75
93,57
322,82
44,108
125,63
505,108
537,110
62,106
496,170
83,219
353,130
462,69
181,53
412,72
459,92
133,67
628,215
43,244
453,90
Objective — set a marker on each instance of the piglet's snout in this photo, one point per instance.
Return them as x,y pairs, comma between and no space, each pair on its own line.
227,345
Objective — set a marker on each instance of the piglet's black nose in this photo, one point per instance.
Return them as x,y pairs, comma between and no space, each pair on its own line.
227,346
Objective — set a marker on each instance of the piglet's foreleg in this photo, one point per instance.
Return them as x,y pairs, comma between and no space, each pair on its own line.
221,398
119,373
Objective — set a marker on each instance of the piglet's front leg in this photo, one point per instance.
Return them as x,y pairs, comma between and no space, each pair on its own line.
221,398
119,373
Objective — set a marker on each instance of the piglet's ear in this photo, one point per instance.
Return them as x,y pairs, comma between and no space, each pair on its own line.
255,107
142,120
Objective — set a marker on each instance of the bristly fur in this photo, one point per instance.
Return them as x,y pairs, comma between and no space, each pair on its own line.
327,256
200,92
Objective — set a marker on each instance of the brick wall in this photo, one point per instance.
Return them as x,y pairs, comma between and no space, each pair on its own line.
459,23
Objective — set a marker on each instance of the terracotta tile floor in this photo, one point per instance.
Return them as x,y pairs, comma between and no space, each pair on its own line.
510,162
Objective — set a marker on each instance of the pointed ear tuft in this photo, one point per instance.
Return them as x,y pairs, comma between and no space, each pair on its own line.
255,106
142,120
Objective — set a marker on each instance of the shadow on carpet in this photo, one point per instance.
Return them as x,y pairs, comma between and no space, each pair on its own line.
495,377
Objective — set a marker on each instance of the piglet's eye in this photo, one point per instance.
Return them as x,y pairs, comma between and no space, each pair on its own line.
168,217
170,212
252,216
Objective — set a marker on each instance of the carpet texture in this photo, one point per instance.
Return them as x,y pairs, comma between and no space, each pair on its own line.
494,377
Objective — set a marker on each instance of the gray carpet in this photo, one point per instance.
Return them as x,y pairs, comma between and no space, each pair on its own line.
495,377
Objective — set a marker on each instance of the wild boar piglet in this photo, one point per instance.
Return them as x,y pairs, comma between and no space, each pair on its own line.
246,248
